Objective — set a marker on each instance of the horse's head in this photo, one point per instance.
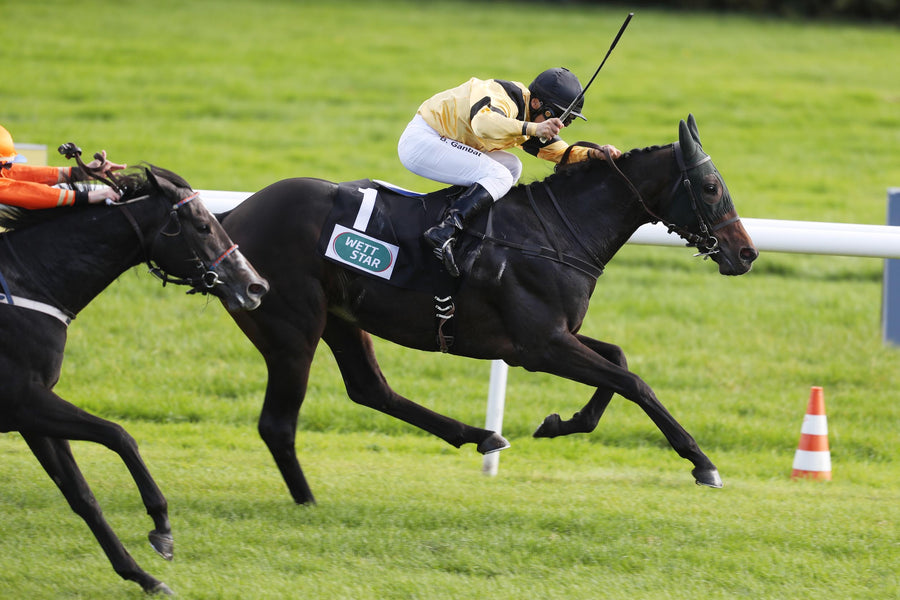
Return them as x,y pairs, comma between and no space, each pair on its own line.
701,209
191,247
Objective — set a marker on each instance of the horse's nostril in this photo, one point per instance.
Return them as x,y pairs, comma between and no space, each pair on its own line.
749,254
258,289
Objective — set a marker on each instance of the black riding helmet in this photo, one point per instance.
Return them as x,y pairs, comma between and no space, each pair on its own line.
556,89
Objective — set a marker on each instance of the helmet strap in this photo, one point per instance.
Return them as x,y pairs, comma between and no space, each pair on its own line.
543,109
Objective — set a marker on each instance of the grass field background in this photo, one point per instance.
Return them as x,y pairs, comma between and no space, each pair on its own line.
802,119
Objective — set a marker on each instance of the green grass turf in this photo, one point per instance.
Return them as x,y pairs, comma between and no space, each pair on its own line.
801,119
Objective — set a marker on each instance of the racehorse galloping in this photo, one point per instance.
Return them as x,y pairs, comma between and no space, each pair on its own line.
525,291
53,263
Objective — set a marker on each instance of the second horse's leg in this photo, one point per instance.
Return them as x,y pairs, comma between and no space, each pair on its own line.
49,415
55,456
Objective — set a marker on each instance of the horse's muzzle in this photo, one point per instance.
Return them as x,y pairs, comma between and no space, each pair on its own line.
736,251
254,291
241,290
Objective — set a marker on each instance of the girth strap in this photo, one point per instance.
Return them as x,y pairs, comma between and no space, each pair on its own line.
57,305
36,306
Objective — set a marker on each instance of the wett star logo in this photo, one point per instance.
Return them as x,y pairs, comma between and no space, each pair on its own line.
362,251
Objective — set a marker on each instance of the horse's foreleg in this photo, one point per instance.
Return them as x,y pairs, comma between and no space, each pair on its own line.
55,456
286,330
285,390
575,358
366,385
586,419
583,421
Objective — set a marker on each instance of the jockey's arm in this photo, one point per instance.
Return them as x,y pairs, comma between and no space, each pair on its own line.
554,150
32,194
29,186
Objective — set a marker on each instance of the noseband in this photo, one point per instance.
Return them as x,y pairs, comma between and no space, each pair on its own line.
705,241
207,278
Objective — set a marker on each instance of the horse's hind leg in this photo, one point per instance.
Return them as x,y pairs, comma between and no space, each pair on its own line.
55,456
366,385
49,415
586,419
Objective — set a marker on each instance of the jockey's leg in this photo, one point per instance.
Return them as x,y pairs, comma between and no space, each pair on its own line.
488,176
463,210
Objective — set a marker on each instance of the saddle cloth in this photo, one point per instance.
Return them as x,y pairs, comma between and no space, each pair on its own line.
375,228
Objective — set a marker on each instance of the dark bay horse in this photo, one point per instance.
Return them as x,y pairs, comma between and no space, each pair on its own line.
524,292
53,263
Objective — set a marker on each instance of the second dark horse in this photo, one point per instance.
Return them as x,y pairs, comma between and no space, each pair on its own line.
515,304
53,262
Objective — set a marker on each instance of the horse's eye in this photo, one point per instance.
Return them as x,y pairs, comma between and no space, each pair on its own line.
710,188
204,228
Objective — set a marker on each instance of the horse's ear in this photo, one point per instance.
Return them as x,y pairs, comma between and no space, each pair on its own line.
152,178
692,126
688,137
159,182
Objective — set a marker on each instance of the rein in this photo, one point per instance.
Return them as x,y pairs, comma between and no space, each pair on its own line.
705,241
203,283
200,284
562,215
593,268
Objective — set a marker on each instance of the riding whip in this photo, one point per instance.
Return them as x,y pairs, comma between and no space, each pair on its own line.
571,107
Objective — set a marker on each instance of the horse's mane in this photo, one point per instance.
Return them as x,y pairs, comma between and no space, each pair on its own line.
568,168
134,182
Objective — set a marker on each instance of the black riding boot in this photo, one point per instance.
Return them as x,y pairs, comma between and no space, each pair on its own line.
462,211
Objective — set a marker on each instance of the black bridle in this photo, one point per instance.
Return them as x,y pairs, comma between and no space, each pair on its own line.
206,279
705,241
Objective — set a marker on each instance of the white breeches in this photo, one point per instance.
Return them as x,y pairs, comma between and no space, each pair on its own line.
425,152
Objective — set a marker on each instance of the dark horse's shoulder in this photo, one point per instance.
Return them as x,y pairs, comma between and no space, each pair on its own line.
288,195
283,209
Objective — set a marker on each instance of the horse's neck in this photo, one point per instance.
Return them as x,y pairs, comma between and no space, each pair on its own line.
607,207
648,176
73,258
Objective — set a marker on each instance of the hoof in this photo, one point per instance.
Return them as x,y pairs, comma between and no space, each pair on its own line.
163,544
161,588
549,428
493,443
708,477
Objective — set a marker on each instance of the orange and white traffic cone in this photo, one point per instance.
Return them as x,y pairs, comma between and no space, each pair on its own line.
813,458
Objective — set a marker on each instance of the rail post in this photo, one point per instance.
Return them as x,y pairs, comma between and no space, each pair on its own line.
890,302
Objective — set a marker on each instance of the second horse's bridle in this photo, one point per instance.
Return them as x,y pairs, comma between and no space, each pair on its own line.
206,279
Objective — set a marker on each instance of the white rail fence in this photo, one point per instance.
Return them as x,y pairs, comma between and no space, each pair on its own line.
800,237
